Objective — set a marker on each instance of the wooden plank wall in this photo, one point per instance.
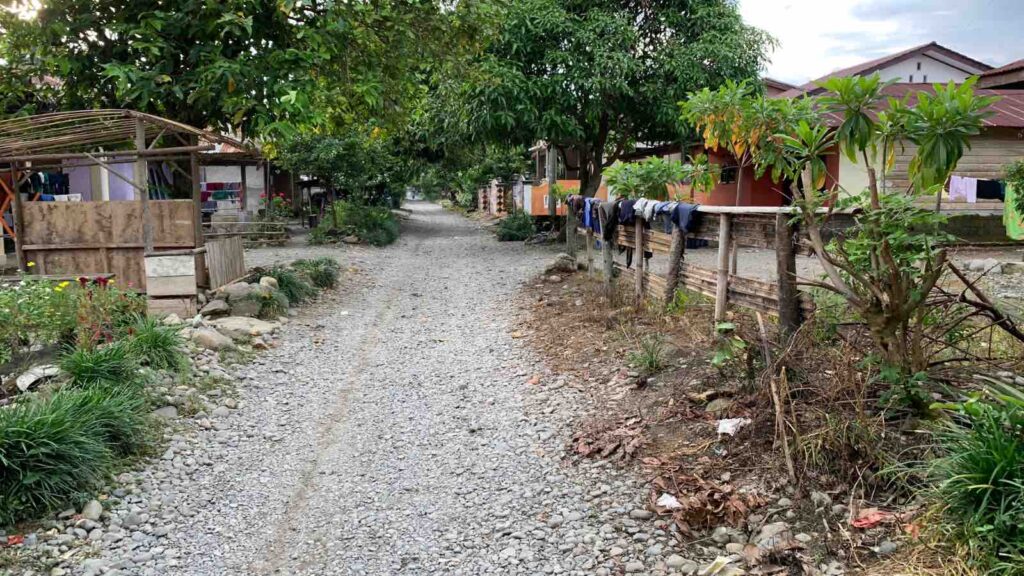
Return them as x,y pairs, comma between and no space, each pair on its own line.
85,238
988,155
225,258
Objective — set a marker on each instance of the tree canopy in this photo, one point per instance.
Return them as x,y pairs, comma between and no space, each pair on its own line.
597,76
260,67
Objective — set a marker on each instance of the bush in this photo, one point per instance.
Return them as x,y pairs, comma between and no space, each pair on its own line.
374,225
103,365
322,272
295,288
54,449
515,226
980,482
155,345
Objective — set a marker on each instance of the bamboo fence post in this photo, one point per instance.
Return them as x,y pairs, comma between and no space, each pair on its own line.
722,288
789,297
675,258
590,252
638,228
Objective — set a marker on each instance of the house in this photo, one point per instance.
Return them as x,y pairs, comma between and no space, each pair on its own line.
924,64
1008,76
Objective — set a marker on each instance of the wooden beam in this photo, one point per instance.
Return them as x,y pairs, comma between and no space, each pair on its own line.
197,200
129,154
19,222
141,177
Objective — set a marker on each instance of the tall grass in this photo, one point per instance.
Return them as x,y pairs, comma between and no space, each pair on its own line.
650,354
109,364
979,482
322,272
515,226
155,345
292,284
54,449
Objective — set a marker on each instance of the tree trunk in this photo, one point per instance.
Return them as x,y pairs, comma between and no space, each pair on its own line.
590,173
734,255
551,170
675,259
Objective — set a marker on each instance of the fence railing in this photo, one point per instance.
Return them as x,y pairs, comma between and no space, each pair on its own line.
730,227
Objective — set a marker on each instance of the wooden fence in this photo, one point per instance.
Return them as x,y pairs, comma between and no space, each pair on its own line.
730,227
225,259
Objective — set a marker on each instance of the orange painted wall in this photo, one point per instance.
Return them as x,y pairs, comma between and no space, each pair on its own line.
540,192
756,191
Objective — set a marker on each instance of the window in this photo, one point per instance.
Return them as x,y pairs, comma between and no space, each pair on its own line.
918,65
911,78
925,79
728,175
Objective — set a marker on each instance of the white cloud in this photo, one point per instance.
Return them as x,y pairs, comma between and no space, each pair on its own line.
814,35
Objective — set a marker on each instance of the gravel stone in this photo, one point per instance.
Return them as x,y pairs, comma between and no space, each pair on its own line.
388,429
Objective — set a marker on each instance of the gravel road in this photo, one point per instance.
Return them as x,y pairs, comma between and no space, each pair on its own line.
394,432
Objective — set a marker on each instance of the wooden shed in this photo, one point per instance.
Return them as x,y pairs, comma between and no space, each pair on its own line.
150,238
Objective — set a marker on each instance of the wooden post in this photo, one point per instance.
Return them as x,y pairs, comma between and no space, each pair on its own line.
141,180
570,231
197,200
722,288
244,200
608,257
675,259
19,221
590,252
789,297
551,171
638,256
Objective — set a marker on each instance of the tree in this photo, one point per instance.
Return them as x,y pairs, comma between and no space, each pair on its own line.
888,264
598,76
261,67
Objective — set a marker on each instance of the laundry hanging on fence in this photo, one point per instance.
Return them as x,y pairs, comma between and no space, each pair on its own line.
990,190
611,219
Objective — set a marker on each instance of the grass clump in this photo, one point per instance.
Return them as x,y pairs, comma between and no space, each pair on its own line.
113,363
322,272
517,226
273,306
155,345
979,481
55,449
649,357
292,284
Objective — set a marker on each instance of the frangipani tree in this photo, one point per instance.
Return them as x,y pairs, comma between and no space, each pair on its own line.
888,263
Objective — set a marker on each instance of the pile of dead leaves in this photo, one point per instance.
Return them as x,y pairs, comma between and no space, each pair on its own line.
700,504
622,438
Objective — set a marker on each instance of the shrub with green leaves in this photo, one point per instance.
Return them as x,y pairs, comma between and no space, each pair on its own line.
293,285
322,272
54,449
374,225
113,363
650,355
515,227
979,480
155,345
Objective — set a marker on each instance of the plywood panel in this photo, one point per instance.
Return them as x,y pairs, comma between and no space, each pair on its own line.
171,285
84,238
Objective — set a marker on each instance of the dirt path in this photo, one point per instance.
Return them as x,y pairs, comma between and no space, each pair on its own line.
394,432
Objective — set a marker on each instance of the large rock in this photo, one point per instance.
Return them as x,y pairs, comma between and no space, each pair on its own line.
92,510
211,339
242,328
249,306
269,282
237,291
562,263
216,307
34,375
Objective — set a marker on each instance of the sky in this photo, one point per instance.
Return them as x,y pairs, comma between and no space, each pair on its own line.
819,36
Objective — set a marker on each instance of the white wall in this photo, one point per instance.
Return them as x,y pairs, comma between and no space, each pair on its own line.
254,185
931,71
